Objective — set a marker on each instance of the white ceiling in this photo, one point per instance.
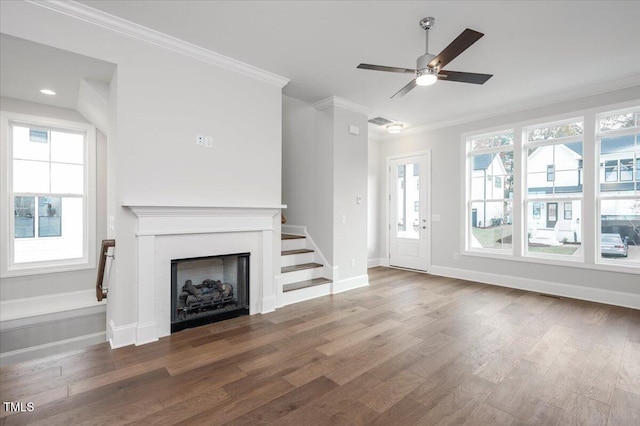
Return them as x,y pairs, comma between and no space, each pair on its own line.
27,67
538,51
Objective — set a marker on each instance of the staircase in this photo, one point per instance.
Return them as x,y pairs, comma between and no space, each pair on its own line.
303,274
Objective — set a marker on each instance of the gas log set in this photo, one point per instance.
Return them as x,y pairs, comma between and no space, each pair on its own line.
211,294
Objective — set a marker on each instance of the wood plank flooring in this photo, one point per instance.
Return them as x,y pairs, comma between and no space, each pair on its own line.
409,349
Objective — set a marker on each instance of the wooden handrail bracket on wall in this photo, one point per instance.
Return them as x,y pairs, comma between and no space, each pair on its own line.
101,293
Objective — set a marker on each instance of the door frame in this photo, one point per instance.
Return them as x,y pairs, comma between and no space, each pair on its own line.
387,201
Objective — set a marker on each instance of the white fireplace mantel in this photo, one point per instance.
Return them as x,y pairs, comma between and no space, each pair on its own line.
167,232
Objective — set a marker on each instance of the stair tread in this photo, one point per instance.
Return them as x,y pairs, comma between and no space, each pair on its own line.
292,236
305,284
298,251
300,267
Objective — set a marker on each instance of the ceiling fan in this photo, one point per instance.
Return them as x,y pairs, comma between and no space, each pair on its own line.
429,67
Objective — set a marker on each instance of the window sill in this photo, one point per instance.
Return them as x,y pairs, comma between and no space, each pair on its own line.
565,261
44,268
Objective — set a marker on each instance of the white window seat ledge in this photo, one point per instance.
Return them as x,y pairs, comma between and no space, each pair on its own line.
17,313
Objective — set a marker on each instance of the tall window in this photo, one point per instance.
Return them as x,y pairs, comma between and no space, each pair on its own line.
553,197
50,181
619,186
490,206
551,192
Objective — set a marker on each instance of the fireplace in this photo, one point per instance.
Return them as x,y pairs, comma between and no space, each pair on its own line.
208,289
167,232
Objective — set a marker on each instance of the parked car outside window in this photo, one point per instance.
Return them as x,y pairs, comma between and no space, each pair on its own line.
612,245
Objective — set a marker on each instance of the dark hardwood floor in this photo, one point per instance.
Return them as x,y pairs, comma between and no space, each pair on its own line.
410,349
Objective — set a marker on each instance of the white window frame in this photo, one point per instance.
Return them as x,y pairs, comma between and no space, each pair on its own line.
8,268
589,179
468,202
603,196
553,198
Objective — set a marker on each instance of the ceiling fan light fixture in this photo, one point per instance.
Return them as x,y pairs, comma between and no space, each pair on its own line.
394,127
426,77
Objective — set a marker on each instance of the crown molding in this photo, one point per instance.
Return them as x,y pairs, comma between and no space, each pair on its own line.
335,101
130,29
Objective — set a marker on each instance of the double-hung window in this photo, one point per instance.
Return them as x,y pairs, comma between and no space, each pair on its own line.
557,191
618,141
48,195
553,194
490,195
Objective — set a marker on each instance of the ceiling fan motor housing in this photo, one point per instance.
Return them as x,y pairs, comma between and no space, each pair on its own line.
424,60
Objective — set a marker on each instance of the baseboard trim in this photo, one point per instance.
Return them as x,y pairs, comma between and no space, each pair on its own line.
124,335
610,297
53,348
350,283
268,304
146,333
294,229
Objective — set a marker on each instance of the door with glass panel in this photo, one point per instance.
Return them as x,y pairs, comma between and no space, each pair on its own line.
408,212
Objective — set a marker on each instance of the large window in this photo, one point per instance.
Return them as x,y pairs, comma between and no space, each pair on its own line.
553,196
49,179
556,191
490,206
619,187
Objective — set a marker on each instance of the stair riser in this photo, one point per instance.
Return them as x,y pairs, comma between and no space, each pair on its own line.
303,275
296,296
297,259
296,244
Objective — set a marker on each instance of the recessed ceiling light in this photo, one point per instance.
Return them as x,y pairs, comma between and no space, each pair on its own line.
47,92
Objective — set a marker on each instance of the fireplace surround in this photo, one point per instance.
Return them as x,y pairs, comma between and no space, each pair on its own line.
164,233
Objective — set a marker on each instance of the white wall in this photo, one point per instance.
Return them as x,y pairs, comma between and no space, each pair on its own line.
375,204
447,174
307,171
324,169
349,182
163,100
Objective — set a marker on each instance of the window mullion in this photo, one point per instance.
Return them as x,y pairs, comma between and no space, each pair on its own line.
518,177
590,177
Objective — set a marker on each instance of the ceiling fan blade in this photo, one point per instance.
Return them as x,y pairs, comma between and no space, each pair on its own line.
387,69
406,89
464,77
456,47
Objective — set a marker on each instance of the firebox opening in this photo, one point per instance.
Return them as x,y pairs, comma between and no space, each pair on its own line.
208,289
